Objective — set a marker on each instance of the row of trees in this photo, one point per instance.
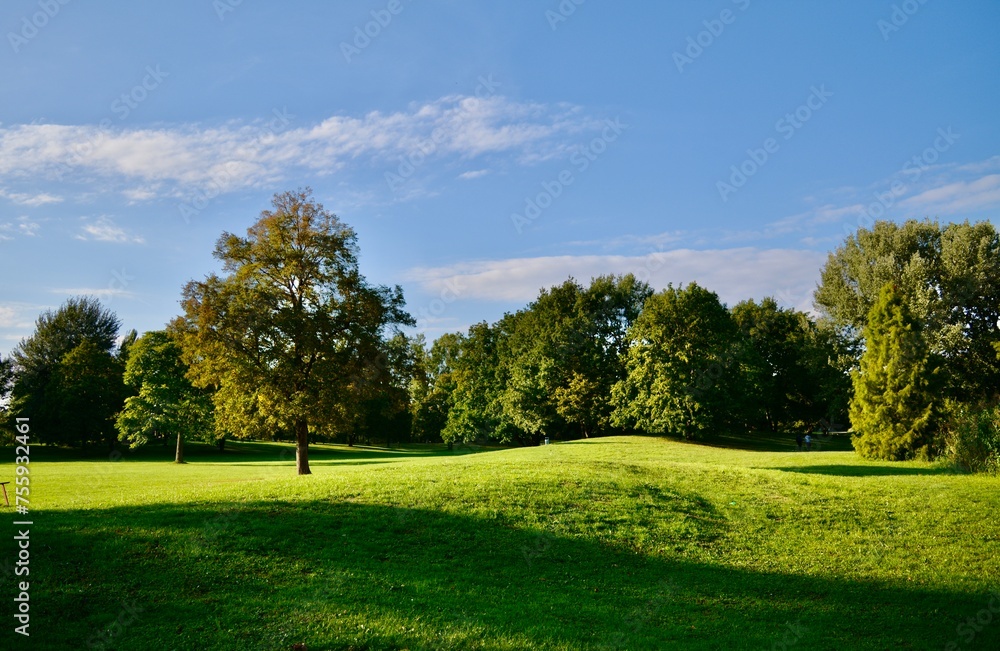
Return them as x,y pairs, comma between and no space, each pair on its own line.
615,357
919,303
292,341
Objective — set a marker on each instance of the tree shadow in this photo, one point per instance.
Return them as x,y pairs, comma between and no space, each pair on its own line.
243,452
865,471
346,575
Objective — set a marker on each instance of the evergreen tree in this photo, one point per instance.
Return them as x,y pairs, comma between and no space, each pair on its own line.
893,408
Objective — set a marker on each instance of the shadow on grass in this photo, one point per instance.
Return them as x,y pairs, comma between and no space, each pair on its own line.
244,452
866,471
351,576
771,442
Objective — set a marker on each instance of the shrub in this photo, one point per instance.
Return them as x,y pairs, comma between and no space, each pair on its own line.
972,438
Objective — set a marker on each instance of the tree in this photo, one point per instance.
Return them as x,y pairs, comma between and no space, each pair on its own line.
432,385
949,278
564,353
893,407
289,326
792,378
165,402
683,371
51,383
479,380
6,378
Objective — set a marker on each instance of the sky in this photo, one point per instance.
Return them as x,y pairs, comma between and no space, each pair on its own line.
482,151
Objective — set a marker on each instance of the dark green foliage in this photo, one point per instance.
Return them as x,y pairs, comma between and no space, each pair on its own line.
972,438
683,371
165,403
894,404
69,375
949,277
792,379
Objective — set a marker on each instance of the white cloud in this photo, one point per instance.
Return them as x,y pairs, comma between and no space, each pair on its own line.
105,293
236,155
735,274
31,200
473,174
958,197
104,230
23,226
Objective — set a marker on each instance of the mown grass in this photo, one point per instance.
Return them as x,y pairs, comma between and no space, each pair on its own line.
616,543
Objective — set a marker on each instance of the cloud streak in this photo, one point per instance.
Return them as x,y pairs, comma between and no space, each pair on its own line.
175,159
790,275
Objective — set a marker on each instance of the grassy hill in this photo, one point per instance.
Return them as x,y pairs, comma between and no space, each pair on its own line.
617,543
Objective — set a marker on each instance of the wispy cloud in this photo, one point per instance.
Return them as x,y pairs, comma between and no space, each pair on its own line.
946,190
474,174
105,293
958,197
789,275
32,200
22,226
103,229
237,155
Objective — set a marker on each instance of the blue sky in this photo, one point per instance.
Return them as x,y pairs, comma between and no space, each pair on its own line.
482,151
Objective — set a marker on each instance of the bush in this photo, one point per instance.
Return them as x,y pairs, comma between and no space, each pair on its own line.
972,439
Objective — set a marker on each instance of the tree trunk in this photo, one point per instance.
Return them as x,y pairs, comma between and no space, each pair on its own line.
302,446
179,455
222,444
350,440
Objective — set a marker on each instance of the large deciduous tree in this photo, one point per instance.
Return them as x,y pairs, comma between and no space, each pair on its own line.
289,328
69,374
683,366
165,402
894,403
949,278
792,376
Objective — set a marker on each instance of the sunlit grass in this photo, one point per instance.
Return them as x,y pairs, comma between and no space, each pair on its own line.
625,543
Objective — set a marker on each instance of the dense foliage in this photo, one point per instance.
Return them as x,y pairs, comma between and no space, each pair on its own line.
293,333
893,407
293,342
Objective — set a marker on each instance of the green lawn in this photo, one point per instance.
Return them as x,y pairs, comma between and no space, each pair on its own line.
616,543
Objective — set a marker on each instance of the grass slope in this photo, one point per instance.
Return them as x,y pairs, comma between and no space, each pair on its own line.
617,543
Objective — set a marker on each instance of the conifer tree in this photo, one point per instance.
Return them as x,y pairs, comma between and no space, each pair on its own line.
893,408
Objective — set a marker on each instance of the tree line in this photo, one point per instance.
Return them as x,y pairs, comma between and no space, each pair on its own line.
290,341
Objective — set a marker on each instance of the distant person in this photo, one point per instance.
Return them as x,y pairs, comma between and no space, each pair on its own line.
809,443
798,441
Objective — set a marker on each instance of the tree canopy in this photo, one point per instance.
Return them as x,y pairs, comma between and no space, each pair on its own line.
949,277
69,374
893,407
165,402
290,328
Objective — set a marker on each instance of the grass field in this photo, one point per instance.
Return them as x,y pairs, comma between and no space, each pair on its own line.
616,543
